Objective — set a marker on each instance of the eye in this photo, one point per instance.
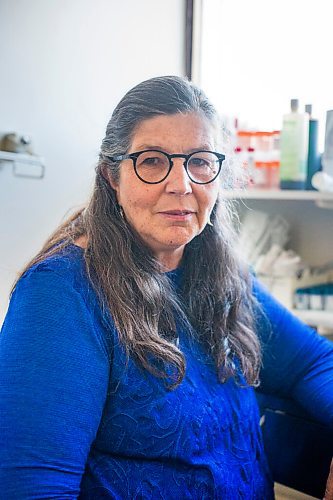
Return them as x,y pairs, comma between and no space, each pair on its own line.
202,161
203,166
152,159
197,161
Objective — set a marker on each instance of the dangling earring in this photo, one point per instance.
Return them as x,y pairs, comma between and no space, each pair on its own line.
209,222
121,212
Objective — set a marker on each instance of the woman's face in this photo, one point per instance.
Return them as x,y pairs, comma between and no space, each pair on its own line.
170,214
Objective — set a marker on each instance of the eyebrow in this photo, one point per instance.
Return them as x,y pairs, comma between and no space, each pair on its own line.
202,147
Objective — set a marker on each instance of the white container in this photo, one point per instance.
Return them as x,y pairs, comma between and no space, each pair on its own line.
328,302
294,148
316,301
327,158
301,301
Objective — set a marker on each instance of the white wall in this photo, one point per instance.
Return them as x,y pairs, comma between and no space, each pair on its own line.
64,66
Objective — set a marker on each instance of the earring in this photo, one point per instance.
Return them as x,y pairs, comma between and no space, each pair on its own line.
209,222
121,212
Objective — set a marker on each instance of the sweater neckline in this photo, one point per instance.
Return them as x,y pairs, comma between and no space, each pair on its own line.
173,275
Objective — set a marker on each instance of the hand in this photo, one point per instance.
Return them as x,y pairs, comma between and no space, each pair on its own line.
329,485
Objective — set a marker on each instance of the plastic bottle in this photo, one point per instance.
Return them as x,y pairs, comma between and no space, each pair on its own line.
260,177
273,174
313,156
276,145
245,138
294,148
327,159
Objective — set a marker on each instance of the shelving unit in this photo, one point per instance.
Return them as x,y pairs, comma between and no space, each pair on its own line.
320,198
312,233
24,165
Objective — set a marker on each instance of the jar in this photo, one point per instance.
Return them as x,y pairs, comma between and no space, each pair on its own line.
301,299
260,175
264,141
245,139
273,174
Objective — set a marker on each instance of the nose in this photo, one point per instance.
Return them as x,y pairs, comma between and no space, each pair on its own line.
178,181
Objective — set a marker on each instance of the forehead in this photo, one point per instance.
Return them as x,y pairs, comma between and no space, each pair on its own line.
175,133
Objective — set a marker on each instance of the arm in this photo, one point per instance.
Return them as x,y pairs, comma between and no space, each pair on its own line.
54,372
297,362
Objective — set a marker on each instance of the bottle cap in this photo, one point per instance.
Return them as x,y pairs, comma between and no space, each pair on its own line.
294,104
245,133
308,109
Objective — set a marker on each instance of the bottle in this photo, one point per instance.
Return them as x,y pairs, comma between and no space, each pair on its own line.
276,145
313,155
294,148
273,174
327,159
260,176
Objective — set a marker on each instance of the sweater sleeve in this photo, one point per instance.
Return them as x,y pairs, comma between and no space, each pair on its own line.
297,362
54,371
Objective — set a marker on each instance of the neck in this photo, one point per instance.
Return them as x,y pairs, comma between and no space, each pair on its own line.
170,260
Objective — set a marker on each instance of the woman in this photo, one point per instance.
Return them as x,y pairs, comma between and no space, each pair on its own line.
133,340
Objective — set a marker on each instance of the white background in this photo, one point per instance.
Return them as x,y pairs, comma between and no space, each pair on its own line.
64,65
259,54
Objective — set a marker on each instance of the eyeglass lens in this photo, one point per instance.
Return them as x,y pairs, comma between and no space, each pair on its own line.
153,166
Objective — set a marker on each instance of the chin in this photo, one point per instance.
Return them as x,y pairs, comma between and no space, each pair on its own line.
181,236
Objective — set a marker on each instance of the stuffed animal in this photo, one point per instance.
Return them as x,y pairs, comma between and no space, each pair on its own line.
15,143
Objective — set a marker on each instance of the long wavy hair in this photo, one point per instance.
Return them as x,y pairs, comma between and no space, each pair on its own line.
215,301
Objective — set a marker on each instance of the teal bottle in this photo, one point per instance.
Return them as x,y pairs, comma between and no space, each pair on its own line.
314,163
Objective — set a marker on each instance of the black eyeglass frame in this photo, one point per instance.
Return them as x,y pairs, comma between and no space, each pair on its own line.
134,156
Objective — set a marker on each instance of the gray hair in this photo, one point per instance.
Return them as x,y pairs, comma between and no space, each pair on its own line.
163,95
215,301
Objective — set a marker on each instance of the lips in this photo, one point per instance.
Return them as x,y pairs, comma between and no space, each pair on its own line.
177,212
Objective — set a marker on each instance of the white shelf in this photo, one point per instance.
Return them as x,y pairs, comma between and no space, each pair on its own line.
24,165
20,157
321,319
277,194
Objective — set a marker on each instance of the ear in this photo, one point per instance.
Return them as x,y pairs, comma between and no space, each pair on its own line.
108,177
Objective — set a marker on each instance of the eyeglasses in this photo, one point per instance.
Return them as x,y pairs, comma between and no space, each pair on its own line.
153,166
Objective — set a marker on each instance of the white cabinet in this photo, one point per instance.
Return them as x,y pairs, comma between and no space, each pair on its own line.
310,216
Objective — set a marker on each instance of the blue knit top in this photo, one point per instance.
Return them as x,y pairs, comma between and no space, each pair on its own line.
77,421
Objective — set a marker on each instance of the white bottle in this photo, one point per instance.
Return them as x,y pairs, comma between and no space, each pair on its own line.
294,148
327,159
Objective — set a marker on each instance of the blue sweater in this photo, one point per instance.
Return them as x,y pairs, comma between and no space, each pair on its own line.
76,422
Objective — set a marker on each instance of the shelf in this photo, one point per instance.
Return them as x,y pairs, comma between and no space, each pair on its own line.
24,165
26,158
320,319
277,194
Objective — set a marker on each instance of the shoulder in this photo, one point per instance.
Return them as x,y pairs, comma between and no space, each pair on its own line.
280,329
266,304
64,272
58,291
67,264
